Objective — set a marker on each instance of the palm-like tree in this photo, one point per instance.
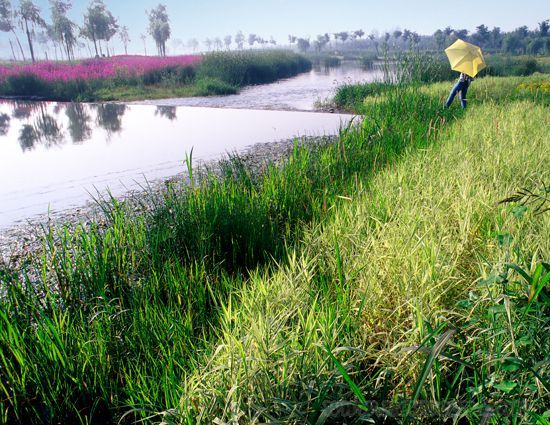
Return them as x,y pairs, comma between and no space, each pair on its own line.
30,17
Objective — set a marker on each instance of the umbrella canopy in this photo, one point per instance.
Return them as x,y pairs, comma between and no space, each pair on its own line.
465,57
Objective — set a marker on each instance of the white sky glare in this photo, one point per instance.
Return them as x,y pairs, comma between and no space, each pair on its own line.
203,19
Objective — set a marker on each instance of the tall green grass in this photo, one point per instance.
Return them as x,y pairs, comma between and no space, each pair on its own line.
241,68
405,303
294,295
135,296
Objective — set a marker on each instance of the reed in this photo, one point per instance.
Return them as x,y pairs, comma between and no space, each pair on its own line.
303,293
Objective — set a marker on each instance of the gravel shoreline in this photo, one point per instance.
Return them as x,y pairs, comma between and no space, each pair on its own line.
20,240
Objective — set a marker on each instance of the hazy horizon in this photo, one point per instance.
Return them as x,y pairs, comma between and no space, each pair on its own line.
306,18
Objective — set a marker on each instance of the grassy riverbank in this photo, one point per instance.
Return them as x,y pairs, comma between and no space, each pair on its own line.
211,74
378,271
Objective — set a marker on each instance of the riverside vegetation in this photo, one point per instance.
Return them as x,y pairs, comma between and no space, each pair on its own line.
130,78
397,275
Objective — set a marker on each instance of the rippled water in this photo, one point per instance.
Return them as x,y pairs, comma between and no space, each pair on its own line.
53,156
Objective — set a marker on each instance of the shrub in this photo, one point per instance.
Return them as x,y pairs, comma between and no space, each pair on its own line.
499,66
213,87
246,68
25,85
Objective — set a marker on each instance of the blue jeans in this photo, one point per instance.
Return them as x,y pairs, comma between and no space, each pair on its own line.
462,87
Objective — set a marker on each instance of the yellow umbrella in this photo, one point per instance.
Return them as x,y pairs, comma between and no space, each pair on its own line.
465,57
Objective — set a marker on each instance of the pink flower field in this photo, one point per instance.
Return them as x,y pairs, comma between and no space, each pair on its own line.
97,68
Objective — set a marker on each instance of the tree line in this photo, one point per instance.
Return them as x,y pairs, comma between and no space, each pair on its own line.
520,41
98,27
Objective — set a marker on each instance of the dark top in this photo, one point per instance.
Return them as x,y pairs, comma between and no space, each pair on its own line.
465,77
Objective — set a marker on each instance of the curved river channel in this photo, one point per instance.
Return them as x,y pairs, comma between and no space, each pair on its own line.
56,156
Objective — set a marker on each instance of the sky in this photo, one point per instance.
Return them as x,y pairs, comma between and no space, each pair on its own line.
203,19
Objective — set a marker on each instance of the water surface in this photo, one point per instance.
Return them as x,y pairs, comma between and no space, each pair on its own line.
298,93
54,155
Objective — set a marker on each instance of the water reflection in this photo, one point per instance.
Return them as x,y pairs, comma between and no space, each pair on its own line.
23,110
27,137
109,116
48,130
51,124
80,129
4,124
166,112
120,147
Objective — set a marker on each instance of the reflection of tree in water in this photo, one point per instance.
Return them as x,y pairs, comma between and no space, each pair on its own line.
4,124
109,116
79,122
44,129
166,112
27,137
48,130
23,110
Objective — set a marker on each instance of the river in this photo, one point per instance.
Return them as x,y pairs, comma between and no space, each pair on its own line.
56,156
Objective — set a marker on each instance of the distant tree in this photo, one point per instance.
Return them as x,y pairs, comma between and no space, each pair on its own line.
177,44
522,32
496,38
448,31
7,24
482,35
159,27
406,36
344,35
208,43
218,43
273,42
303,44
415,37
374,39
359,33
462,34
252,38
144,39
30,17
44,39
62,28
292,39
513,43
193,44
239,40
124,38
439,37
397,34
321,42
99,24
227,41
544,28
535,46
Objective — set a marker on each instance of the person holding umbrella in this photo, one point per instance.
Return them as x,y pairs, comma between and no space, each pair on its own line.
468,60
461,87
